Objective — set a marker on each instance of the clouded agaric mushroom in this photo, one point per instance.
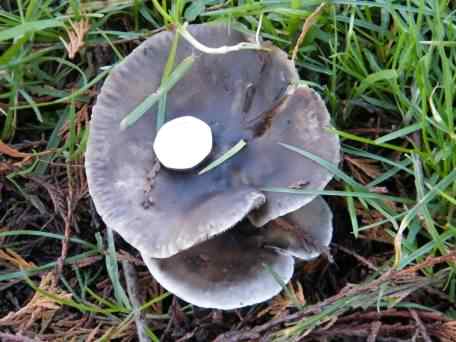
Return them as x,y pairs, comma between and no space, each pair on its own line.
249,95
228,271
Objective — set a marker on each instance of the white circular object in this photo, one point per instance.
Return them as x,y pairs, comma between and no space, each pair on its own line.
183,143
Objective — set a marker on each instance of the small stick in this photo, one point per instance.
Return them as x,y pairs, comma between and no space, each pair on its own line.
358,257
132,290
16,338
374,332
421,327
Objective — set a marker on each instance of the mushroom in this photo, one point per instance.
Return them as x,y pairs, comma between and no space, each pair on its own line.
245,265
250,95
174,213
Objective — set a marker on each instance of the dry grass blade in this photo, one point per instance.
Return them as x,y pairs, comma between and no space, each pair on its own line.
82,118
15,259
91,337
16,338
367,166
374,331
76,37
24,158
12,152
421,327
430,261
282,302
310,20
358,257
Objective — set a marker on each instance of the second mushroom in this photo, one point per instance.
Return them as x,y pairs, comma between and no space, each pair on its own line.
218,239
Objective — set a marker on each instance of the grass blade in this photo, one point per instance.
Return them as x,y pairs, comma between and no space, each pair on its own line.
161,114
113,271
31,26
175,76
399,133
227,155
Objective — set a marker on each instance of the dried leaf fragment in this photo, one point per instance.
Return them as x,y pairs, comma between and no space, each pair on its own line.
76,37
308,23
12,152
38,307
11,257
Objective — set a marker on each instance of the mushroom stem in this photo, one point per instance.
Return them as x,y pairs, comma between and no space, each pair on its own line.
220,50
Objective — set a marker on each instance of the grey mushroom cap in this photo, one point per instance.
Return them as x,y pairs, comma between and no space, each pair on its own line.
305,233
248,95
227,272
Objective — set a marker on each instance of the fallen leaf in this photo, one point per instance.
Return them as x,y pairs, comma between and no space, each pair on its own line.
15,259
369,167
76,37
39,307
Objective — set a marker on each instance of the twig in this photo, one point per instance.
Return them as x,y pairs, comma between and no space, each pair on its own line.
65,241
67,218
357,256
430,261
176,321
16,338
374,332
310,20
376,315
132,290
237,337
421,326
125,256
364,330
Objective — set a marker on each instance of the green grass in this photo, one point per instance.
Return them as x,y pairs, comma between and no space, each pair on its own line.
389,65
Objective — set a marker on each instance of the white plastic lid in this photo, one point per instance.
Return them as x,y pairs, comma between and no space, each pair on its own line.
183,143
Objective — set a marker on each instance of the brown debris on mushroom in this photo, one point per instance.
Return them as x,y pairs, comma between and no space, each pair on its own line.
245,95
